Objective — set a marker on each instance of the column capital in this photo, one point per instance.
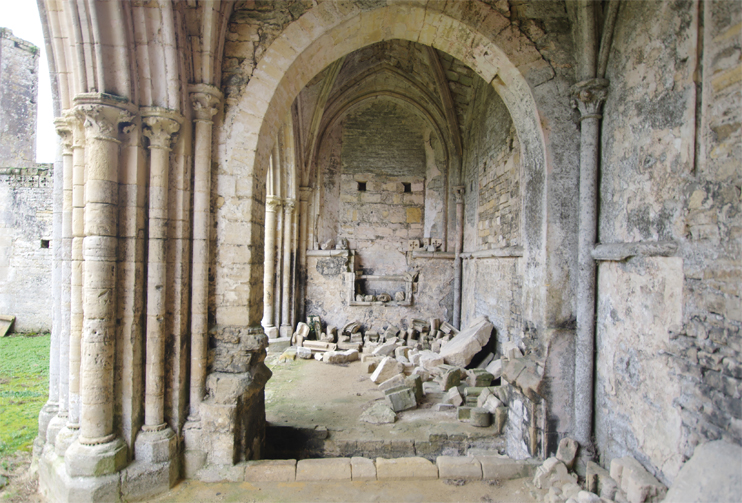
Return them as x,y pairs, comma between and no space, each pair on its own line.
64,130
160,126
305,193
588,97
101,114
273,203
458,193
288,205
205,101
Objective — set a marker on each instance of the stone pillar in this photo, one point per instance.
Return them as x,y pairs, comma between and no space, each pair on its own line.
156,442
458,194
288,217
304,194
272,206
98,450
205,100
588,96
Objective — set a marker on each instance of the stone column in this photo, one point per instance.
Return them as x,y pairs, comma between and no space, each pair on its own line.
304,194
458,194
588,96
288,217
156,442
98,450
272,206
205,101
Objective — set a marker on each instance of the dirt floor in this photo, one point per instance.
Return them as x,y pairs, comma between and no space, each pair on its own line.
308,394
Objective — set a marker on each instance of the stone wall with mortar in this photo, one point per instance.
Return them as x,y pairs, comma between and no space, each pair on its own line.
26,247
669,365
492,209
19,67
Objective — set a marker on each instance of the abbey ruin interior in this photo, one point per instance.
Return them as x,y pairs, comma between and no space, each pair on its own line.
231,170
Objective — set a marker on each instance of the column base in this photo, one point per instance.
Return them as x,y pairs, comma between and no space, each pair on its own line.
47,413
56,485
65,437
286,331
83,460
54,427
194,455
141,481
271,332
155,446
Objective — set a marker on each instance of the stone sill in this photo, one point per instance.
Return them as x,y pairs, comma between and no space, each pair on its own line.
438,255
509,252
617,252
328,253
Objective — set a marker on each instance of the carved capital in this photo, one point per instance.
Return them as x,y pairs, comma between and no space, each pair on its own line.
101,122
273,203
588,97
288,205
458,193
160,131
205,100
64,130
305,194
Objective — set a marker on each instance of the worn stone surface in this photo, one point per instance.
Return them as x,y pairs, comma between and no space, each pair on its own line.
461,349
270,470
323,469
362,468
458,467
405,468
379,413
711,474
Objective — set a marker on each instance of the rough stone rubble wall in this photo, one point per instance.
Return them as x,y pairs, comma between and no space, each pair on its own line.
25,247
669,366
19,65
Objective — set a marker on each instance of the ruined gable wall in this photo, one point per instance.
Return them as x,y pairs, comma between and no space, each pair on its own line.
492,209
668,336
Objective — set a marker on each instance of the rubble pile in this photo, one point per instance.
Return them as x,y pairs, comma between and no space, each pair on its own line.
627,481
429,364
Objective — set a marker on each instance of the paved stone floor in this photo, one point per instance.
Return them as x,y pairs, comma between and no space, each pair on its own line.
428,491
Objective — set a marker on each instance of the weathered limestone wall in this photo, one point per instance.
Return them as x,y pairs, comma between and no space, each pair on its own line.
669,368
25,246
19,67
492,209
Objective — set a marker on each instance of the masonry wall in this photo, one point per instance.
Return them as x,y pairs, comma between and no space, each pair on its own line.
492,209
19,65
25,247
668,337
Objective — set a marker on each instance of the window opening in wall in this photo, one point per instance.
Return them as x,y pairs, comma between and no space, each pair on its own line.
45,243
407,187
361,186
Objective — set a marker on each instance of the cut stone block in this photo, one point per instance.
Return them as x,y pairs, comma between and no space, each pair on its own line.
272,332
505,468
401,399
501,416
388,368
379,413
598,480
323,469
491,404
320,346
552,472
369,366
459,467
385,349
638,484
304,353
347,356
567,451
362,468
416,383
401,351
464,413
393,382
453,397
451,379
270,470
444,407
429,359
461,349
302,332
495,368
480,417
405,468
479,378
711,474
345,346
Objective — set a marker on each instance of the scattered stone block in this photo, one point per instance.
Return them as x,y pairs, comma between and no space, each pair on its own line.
448,329
431,387
379,413
318,356
401,351
393,382
567,451
385,349
344,346
387,368
461,349
270,470
416,383
552,472
303,353
570,489
444,407
487,360
453,396
405,468
598,480
347,356
495,368
638,484
308,470
587,497
464,413
320,346
430,360
370,365
390,332
402,398
479,378
302,332
362,468
288,355
459,468
450,379
501,416
711,474
424,374
505,468
480,417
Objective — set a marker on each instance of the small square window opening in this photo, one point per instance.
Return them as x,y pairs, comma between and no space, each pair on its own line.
361,186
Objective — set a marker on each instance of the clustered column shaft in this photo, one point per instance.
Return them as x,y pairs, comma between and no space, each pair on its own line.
458,193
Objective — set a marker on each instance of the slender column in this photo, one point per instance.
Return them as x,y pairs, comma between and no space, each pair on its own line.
304,194
288,217
278,268
98,450
205,100
159,127
272,206
588,96
458,194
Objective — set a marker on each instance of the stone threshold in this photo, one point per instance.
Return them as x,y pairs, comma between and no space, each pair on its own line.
484,467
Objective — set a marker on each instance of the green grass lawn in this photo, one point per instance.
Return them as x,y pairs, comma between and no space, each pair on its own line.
24,387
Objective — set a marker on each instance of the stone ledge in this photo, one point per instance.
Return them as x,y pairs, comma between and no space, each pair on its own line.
459,467
323,469
405,468
271,470
617,252
508,252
